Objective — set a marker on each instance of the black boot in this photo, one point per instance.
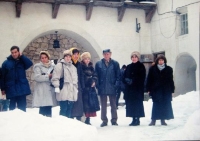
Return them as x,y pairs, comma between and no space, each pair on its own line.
153,122
135,122
163,122
87,121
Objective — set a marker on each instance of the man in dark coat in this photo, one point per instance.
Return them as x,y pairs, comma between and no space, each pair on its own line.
14,82
77,110
108,72
160,86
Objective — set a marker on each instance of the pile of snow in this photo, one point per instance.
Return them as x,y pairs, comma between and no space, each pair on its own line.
20,126
30,126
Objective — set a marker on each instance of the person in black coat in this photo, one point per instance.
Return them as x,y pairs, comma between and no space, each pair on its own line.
160,86
77,110
134,77
89,92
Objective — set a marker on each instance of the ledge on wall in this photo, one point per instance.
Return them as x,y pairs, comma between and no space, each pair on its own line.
121,5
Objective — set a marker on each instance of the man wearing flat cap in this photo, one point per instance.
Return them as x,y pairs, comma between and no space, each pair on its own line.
108,72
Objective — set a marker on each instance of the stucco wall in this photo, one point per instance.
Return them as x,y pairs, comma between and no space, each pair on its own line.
102,31
165,31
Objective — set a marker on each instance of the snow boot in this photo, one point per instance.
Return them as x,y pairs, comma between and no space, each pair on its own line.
87,121
163,122
153,122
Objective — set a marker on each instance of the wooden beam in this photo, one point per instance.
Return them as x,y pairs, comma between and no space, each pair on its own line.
89,9
55,8
18,8
121,11
149,14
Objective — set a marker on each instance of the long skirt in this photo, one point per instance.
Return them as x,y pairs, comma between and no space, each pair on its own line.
134,108
162,110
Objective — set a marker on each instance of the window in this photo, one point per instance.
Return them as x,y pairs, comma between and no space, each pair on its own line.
184,24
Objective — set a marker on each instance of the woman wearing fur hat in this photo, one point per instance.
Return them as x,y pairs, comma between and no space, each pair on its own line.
44,95
77,110
68,94
160,86
134,77
90,78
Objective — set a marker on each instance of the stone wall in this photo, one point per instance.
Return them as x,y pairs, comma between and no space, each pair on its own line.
46,43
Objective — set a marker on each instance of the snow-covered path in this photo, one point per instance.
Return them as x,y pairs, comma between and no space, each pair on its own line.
19,126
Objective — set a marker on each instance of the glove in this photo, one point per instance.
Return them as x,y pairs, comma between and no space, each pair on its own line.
57,90
128,81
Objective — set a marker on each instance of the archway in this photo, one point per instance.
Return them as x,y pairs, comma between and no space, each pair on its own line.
185,74
45,42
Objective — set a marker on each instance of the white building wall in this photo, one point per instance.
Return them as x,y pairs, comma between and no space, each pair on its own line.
101,32
165,31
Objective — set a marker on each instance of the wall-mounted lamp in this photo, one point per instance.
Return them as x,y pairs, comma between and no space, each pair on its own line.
137,26
56,42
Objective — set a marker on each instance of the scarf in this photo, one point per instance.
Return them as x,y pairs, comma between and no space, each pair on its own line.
161,67
46,64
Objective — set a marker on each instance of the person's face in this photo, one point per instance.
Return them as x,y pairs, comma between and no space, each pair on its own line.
44,58
15,54
160,61
107,56
86,61
68,58
76,56
134,59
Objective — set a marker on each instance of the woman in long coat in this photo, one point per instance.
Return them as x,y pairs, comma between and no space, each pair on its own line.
160,86
68,94
44,96
134,77
77,110
90,78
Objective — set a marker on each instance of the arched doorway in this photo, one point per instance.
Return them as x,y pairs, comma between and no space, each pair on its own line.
185,74
45,42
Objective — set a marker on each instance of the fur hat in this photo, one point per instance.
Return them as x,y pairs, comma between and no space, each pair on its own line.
67,52
161,56
136,53
85,55
45,52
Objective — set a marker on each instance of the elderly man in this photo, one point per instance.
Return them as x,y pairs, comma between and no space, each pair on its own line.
108,72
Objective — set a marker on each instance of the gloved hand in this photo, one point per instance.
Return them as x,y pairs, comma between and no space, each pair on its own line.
128,81
57,90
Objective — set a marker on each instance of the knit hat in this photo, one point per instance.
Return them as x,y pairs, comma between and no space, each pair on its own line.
45,52
136,53
67,52
85,55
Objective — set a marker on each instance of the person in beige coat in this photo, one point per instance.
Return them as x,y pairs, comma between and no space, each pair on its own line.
44,95
69,93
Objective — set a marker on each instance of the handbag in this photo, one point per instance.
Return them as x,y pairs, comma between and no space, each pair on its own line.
93,100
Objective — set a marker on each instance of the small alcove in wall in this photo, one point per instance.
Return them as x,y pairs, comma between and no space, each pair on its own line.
185,74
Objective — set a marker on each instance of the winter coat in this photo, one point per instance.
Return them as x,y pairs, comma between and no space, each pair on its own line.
77,110
14,78
108,77
136,73
160,84
44,94
134,92
70,88
89,77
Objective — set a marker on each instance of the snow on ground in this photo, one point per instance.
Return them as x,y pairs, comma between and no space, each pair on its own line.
19,126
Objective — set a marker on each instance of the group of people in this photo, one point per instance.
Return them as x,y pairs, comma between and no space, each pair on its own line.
74,85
